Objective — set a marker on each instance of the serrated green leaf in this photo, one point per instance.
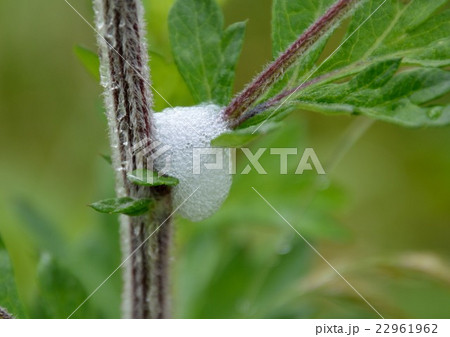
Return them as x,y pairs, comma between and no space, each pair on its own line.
150,178
397,29
125,205
240,137
360,76
372,77
90,61
205,55
376,75
399,101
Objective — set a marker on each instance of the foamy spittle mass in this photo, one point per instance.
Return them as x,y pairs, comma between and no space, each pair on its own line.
182,129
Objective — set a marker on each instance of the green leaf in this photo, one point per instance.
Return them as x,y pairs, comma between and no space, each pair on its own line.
240,137
397,29
43,230
205,54
60,292
150,178
401,100
125,205
367,74
9,298
275,115
285,271
107,158
81,257
290,18
232,41
375,75
90,60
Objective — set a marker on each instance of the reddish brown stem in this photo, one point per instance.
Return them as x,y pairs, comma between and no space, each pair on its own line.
278,99
276,69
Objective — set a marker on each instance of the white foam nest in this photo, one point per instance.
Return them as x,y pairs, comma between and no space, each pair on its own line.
182,129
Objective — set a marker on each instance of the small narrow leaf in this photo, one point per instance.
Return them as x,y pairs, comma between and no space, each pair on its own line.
107,158
125,205
232,41
240,137
233,139
204,53
150,178
90,60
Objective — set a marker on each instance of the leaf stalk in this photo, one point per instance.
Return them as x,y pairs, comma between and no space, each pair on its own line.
255,90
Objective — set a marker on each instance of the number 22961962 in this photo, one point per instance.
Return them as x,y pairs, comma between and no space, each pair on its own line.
407,328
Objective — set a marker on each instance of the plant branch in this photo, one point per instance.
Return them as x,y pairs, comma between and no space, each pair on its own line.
282,97
277,69
128,100
278,99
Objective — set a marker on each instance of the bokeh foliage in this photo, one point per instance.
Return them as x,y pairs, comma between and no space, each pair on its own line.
381,217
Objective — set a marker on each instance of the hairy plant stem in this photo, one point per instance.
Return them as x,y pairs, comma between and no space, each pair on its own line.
277,68
128,101
279,99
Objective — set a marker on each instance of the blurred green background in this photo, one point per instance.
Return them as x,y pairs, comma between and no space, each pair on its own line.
381,216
